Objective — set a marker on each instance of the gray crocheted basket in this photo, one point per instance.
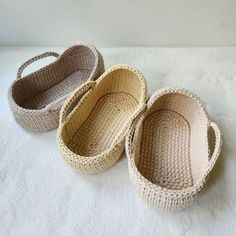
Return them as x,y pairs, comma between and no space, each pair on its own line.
36,99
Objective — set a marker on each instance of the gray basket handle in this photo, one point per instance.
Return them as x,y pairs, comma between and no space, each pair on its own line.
33,59
73,100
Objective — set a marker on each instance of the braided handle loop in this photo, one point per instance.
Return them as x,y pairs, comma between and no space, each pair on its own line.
73,100
33,59
218,144
129,142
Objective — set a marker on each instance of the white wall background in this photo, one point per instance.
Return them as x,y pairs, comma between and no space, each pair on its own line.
109,23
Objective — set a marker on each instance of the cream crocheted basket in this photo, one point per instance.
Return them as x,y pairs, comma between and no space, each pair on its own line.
167,148
36,99
97,116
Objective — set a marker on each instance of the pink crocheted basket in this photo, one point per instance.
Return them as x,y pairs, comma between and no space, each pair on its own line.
167,148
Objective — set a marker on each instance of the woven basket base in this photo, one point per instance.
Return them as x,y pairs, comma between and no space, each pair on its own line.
104,123
165,158
57,91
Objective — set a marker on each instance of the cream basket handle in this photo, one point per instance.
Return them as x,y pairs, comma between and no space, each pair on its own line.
33,59
73,100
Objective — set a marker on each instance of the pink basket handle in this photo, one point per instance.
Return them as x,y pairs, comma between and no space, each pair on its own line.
73,100
129,146
33,59
133,119
218,145
131,133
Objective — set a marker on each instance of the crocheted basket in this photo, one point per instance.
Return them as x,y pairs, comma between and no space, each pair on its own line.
96,118
36,99
167,148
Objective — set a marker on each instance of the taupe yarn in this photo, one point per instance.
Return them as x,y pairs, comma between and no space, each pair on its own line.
167,149
36,99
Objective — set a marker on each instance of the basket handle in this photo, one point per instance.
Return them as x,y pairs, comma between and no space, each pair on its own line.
129,146
218,145
33,59
73,100
134,118
129,141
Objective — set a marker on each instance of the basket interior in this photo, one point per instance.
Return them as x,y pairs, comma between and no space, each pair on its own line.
103,116
172,148
45,87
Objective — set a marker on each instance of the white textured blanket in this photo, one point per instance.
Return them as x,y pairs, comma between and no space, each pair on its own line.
40,195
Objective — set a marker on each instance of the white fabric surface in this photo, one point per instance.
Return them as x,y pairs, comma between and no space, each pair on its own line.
41,195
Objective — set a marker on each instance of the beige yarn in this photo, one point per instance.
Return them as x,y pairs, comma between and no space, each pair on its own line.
97,116
167,149
36,99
